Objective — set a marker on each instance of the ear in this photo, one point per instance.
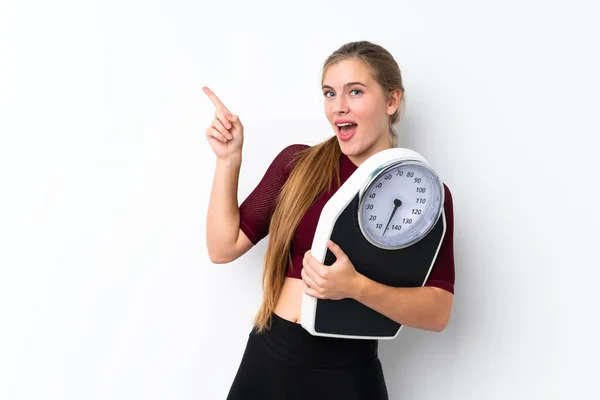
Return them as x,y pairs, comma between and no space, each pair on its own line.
394,101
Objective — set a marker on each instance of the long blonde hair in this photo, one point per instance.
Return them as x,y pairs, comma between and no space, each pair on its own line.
314,172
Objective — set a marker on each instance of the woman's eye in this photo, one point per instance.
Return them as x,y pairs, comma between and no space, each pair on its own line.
356,90
327,93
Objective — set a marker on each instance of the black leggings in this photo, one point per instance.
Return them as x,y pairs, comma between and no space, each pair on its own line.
288,363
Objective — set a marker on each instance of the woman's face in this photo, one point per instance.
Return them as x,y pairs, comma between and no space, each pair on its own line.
357,109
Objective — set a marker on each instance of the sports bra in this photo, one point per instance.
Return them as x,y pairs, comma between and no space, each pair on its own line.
256,211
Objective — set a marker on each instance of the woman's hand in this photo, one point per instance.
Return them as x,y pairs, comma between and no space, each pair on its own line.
226,133
336,281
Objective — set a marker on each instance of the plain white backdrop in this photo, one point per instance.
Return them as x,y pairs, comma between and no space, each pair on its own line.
106,288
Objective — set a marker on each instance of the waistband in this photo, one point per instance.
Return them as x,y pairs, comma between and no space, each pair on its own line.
291,344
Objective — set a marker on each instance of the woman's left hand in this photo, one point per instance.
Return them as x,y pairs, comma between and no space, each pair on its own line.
336,281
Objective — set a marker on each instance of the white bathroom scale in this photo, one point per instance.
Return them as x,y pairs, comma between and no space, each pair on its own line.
388,217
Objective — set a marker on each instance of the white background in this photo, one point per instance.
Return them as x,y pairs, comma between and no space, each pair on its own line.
106,288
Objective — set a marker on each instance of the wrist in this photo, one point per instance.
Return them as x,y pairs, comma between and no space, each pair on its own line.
359,286
232,159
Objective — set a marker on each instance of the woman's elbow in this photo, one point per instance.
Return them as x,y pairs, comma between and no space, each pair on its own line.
440,325
217,256
446,300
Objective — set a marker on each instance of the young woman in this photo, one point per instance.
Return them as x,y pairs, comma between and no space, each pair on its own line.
363,91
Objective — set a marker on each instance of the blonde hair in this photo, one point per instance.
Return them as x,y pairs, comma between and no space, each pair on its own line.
314,172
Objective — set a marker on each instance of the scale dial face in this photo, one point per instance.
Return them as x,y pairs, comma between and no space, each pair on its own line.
400,204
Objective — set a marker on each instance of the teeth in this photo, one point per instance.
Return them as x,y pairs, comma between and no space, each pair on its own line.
345,124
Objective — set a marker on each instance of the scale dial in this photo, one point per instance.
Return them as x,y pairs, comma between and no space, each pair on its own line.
399,204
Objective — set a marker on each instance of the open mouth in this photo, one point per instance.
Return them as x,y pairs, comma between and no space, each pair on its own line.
346,129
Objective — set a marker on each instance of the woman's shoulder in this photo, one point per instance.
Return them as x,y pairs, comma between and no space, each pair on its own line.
288,154
447,191
286,157
294,148
448,201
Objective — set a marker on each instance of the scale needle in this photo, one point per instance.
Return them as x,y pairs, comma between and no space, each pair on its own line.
397,203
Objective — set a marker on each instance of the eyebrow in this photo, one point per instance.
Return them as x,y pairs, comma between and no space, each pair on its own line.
346,85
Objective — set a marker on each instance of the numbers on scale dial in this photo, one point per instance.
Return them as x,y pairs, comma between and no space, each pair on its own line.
397,201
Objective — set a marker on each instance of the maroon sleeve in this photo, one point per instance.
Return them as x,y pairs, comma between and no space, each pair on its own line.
256,210
442,273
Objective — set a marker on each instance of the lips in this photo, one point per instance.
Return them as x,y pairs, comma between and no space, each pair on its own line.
346,133
345,129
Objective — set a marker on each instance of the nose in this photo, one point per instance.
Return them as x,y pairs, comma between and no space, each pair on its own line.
340,106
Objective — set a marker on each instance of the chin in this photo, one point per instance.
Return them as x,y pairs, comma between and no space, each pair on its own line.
350,149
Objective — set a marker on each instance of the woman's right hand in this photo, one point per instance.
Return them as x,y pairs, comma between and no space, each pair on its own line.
226,133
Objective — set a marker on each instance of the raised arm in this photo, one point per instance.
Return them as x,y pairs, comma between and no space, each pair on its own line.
224,239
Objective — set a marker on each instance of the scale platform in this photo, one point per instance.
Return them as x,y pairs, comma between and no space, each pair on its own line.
403,260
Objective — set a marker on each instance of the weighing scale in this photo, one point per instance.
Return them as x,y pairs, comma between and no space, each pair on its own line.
388,217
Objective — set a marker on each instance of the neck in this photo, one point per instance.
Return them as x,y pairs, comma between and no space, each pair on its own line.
358,159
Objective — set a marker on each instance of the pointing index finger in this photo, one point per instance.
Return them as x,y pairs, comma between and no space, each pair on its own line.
215,100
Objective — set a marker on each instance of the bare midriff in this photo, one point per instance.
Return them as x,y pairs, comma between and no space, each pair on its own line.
289,305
